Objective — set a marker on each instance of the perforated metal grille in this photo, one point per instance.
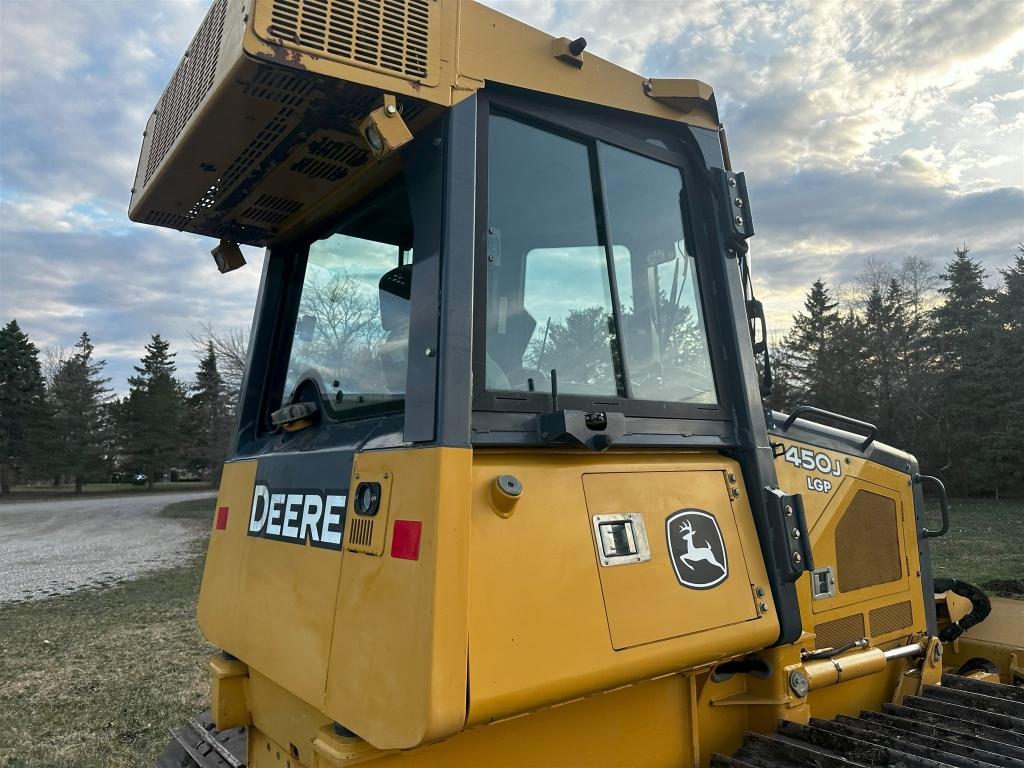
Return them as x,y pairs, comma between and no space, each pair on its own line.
271,209
257,149
188,87
330,159
890,618
207,200
867,543
832,634
389,35
166,219
278,85
360,532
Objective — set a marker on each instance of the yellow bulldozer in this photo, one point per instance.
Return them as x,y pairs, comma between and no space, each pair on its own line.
503,490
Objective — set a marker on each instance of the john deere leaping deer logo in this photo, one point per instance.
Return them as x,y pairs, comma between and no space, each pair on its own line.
696,549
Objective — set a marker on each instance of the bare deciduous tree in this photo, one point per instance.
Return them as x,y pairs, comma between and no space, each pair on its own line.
230,347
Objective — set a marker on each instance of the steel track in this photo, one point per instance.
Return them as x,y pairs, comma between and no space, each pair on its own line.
963,722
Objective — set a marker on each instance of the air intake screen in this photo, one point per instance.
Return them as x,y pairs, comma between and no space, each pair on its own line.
392,36
188,87
832,634
891,618
867,543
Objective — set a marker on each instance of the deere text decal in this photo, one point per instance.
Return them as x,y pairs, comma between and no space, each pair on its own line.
298,515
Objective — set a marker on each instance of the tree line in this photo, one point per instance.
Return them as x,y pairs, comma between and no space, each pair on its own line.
936,362
60,421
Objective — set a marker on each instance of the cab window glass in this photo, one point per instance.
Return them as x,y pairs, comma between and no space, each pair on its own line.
665,339
549,302
352,330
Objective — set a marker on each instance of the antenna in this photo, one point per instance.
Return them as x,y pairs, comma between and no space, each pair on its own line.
554,390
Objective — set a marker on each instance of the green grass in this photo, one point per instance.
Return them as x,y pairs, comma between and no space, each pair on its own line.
96,678
984,545
196,509
41,492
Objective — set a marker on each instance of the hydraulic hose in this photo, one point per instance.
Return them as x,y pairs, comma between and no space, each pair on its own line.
981,606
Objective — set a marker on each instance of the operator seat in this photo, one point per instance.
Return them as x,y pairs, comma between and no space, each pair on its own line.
395,288
506,350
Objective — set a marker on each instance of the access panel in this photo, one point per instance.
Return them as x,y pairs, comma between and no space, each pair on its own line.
691,575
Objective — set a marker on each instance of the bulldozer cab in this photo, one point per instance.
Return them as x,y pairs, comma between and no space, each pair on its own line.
500,443
588,288
501,321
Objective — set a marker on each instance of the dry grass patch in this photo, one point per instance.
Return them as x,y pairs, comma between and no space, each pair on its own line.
96,678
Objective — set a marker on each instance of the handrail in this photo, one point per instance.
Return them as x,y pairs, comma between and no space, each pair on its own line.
810,409
943,505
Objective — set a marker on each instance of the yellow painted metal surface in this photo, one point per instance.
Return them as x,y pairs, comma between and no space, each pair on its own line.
399,649
999,638
824,507
283,725
643,602
827,493
467,45
539,630
269,603
670,721
228,706
482,647
218,611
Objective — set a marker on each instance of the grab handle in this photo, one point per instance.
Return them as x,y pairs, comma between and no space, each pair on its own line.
943,504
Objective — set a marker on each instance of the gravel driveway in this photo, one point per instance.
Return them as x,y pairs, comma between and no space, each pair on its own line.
54,547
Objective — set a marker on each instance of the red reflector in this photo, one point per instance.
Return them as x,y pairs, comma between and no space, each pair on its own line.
405,542
222,518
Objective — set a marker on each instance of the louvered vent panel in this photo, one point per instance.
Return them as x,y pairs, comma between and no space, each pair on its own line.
256,150
832,634
392,36
166,219
280,86
331,159
271,209
188,86
360,533
890,618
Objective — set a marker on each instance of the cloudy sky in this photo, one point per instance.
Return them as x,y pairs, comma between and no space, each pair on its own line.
866,129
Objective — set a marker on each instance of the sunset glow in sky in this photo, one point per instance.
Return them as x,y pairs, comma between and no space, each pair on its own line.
866,129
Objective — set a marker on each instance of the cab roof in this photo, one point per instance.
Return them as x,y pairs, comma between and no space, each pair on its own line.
257,133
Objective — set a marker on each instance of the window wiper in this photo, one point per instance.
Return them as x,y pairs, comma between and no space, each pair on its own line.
596,430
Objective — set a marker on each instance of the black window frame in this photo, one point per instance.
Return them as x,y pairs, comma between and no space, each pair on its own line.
277,310
593,125
289,306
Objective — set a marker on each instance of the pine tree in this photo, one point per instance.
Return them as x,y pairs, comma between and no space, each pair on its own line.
783,396
79,395
888,346
1006,444
960,335
845,385
24,414
208,417
153,412
811,344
